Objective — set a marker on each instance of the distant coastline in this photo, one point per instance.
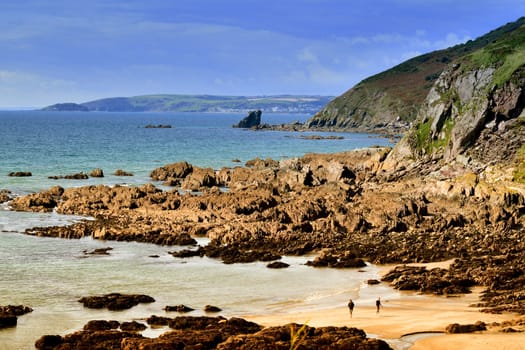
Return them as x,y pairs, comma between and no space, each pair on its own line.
200,103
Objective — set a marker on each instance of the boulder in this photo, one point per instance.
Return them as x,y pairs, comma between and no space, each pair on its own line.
96,173
115,301
48,342
5,195
465,328
120,172
277,265
7,320
211,308
176,170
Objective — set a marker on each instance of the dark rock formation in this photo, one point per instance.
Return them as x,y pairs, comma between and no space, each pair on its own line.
331,259
20,174
178,308
437,281
120,172
7,320
77,176
455,328
115,301
48,342
9,314
253,119
211,308
101,325
207,333
277,265
98,251
158,126
132,326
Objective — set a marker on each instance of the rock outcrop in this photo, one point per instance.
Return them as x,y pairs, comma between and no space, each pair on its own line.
390,101
9,314
253,119
346,205
115,301
209,333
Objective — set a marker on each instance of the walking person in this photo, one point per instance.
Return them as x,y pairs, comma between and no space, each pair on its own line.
378,304
351,306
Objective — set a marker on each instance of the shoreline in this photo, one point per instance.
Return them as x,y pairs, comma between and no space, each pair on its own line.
411,315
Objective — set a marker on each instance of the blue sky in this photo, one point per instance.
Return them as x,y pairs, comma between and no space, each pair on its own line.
77,51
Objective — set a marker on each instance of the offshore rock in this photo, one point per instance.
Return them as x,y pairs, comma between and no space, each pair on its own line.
209,333
253,119
115,301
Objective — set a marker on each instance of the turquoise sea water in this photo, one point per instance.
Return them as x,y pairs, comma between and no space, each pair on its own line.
50,275
60,143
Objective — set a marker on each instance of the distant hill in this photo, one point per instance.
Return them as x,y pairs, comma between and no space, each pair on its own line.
70,107
396,95
201,103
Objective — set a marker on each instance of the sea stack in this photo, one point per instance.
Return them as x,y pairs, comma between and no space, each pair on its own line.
253,119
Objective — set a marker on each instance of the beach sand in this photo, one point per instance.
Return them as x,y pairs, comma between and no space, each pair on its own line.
411,313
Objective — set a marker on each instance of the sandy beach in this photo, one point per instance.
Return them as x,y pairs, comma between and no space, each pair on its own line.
412,313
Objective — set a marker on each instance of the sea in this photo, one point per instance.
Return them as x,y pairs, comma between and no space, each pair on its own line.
51,274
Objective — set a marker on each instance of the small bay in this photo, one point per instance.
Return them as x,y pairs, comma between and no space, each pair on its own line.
50,275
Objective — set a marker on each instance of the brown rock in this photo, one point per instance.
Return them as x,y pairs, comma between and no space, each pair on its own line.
115,301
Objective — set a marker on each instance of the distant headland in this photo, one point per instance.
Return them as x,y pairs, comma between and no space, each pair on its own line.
200,103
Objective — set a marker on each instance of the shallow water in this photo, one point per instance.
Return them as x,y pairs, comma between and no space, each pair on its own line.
50,275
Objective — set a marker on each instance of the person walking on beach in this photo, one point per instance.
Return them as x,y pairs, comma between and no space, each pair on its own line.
351,307
378,304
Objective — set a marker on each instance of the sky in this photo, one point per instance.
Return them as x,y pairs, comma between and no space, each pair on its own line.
78,51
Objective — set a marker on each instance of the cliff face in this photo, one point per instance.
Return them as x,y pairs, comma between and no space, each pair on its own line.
392,99
474,113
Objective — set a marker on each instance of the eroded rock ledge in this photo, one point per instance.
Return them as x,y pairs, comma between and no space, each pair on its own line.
211,333
350,206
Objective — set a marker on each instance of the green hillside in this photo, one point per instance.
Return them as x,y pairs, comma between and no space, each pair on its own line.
205,103
395,96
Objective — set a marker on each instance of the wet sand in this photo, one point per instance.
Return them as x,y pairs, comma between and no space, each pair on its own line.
406,313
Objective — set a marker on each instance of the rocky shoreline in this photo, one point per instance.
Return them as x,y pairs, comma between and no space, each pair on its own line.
348,207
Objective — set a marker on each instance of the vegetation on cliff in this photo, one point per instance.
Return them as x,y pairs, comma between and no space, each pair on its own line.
393,98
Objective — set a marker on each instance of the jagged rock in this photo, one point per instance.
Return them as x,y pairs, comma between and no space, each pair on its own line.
177,170
133,326
251,120
178,308
20,174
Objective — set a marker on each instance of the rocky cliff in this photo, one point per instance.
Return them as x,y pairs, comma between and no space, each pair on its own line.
392,99
474,113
